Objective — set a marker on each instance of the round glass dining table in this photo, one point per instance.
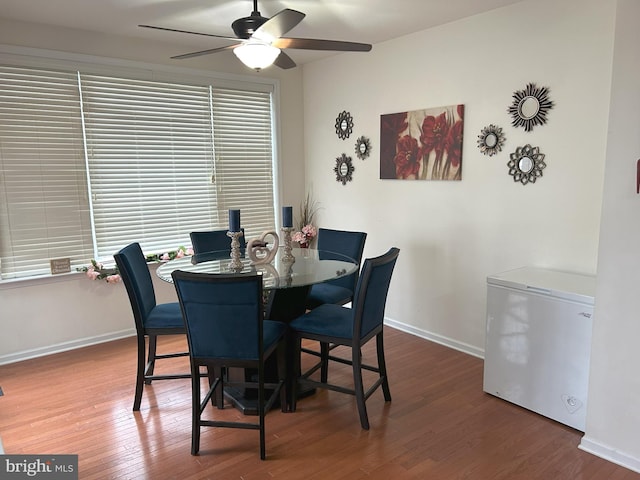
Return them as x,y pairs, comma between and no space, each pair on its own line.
287,283
309,266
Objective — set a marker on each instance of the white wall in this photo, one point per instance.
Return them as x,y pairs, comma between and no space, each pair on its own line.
49,315
613,418
453,234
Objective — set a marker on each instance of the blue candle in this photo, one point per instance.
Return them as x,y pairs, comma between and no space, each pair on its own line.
287,217
234,220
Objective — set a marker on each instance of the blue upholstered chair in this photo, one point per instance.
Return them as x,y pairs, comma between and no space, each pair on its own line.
151,319
214,240
350,327
225,328
338,291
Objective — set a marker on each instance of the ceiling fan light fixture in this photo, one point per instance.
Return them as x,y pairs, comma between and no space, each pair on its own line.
257,55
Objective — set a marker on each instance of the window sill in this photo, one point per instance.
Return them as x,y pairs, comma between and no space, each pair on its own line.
40,280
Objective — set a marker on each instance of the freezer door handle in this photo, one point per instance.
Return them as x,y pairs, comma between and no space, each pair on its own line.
544,291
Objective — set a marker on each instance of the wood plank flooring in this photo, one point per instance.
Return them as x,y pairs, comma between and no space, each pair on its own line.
440,424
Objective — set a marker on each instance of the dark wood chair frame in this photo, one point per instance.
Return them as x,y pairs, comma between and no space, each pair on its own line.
355,344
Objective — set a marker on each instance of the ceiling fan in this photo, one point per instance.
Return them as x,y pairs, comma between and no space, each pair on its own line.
259,40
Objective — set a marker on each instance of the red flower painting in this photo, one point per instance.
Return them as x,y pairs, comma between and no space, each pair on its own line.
407,159
422,144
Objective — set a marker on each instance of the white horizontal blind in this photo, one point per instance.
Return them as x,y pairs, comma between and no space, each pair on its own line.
242,128
44,211
150,156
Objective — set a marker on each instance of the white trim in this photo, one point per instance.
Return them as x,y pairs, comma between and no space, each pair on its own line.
434,337
63,347
610,454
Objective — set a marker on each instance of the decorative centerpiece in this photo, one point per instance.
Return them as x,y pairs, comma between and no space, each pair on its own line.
235,233
304,236
258,250
307,231
287,228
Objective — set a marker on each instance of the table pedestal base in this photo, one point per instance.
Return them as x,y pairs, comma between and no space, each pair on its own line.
284,305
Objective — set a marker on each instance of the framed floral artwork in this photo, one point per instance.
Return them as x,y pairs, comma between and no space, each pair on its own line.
422,144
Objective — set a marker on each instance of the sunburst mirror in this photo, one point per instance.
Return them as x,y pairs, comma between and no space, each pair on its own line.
530,107
526,164
490,140
344,169
344,125
363,147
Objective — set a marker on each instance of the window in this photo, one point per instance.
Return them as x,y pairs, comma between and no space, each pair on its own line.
149,161
44,212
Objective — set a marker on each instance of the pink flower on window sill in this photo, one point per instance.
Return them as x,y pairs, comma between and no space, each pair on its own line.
113,278
92,274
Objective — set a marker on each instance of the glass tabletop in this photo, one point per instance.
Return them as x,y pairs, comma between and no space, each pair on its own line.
310,266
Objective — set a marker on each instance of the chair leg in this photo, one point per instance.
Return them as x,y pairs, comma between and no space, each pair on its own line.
296,345
282,377
356,360
382,367
195,410
261,413
137,399
324,358
151,357
217,400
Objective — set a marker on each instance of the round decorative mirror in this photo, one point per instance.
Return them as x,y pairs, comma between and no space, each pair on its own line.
530,107
526,164
363,147
344,169
344,125
490,140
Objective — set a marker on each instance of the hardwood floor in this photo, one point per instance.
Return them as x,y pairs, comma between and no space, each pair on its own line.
440,424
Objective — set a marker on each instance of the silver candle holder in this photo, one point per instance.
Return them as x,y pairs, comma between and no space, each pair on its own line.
236,264
287,257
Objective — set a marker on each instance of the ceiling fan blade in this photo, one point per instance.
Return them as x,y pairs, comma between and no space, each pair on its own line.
192,33
284,61
278,25
317,44
202,52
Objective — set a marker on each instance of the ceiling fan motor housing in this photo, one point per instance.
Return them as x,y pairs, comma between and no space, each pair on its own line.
246,26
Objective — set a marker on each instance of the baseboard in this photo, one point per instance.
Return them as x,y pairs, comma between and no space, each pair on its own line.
63,347
610,454
447,342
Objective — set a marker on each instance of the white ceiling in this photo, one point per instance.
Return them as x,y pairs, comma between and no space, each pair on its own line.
367,21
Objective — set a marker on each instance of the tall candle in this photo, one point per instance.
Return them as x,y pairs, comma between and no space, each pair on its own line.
234,220
287,217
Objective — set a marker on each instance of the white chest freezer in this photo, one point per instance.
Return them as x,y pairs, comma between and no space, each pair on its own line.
538,341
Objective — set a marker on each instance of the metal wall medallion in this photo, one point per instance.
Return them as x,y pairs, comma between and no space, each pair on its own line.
344,125
526,164
363,147
344,169
530,107
490,140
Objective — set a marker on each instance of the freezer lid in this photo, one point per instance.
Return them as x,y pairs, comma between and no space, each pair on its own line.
571,286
